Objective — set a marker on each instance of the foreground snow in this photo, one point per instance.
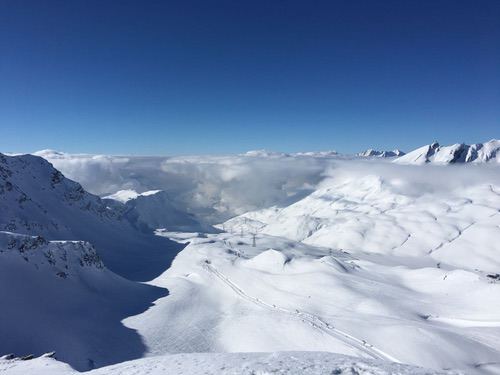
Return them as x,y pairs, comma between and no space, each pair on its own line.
59,296
293,363
281,295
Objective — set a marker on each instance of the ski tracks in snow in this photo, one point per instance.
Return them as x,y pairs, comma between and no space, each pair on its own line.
313,320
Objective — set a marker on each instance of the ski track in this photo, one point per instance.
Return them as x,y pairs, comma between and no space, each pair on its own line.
460,233
313,320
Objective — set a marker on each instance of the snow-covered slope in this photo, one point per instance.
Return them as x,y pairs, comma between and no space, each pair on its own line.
405,216
37,199
457,153
153,210
292,363
280,295
124,196
58,295
381,154
404,259
381,261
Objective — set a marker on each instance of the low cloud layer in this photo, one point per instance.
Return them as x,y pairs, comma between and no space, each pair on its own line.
216,188
212,187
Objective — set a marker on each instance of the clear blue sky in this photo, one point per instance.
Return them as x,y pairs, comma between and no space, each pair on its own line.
177,77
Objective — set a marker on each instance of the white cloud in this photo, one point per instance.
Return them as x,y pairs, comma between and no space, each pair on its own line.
213,187
218,187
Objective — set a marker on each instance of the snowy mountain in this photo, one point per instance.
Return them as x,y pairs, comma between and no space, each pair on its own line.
37,199
381,154
58,295
317,154
389,263
366,213
265,154
153,210
384,253
211,187
124,196
457,153
65,258
292,363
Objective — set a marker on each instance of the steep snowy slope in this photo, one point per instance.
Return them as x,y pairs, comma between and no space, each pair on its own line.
37,199
58,295
155,209
457,153
293,363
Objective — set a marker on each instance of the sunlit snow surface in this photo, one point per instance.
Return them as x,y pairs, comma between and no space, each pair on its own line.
397,264
376,260
294,363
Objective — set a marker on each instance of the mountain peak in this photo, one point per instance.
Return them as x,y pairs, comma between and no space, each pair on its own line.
382,154
457,153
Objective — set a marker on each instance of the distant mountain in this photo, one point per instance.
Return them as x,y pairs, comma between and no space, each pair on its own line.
317,154
457,153
265,154
36,199
274,154
382,154
154,209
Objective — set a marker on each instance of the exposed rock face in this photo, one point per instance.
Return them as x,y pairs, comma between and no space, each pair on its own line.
61,257
36,199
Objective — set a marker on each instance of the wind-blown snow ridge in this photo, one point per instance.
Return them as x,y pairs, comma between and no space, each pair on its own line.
292,363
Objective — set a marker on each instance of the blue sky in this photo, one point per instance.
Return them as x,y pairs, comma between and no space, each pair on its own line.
184,77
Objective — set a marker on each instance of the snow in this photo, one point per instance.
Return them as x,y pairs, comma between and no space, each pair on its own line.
124,196
212,188
153,210
382,154
265,153
58,296
299,363
37,199
391,264
457,153
317,154
283,295
269,260
383,215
